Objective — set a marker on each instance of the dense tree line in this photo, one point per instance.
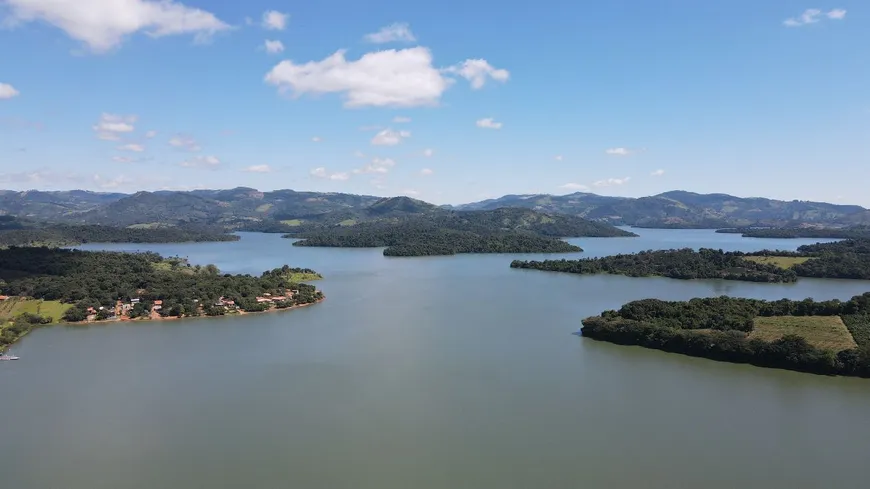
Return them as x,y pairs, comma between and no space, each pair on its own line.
788,233
95,279
421,238
716,328
20,326
70,235
681,264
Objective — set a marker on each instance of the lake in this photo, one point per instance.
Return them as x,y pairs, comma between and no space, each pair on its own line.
439,372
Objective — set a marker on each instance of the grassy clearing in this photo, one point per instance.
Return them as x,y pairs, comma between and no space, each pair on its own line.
264,208
14,306
303,277
147,225
779,261
292,222
347,222
826,332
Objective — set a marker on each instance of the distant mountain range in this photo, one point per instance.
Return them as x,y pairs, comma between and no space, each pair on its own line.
242,207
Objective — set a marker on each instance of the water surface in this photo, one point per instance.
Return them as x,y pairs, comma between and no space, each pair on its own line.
443,372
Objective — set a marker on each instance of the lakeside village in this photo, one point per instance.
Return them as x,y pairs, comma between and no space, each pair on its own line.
156,309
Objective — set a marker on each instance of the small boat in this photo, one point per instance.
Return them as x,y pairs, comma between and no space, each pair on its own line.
8,357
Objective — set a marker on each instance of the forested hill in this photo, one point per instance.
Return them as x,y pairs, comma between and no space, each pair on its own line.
248,208
450,232
70,235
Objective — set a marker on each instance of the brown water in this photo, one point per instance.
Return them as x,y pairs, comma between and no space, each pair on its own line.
446,373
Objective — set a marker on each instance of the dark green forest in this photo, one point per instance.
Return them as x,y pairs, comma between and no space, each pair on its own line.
94,279
789,233
717,328
71,235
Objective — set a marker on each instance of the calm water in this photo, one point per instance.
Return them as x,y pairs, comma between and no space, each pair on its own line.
423,373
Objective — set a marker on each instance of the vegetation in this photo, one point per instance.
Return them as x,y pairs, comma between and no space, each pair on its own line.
70,235
849,259
682,264
76,281
787,233
829,337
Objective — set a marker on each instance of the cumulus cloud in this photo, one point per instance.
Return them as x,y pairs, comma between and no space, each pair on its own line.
7,91
150,134
258,169
619,151
389,137
657,173
137,148
401,119
488,123
478,71
210,162
389,78
103,24
184,142
274,20
321,172
398,32
428,152
426,172
377,165
574,187
111,126
814,15
610,182
273,47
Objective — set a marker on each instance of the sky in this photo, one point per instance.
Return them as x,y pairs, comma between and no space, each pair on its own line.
449,101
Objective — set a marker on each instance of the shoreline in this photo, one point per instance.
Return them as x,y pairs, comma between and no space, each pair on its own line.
146,319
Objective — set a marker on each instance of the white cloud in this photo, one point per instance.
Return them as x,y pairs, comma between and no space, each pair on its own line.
274,20
111,126
359,154
657,173
611,182
316,139
150,134
574,186
389,137
137,148
273,47
258,169
122,159
619,151
489,123
111,183
428,152
837,14
398,32
103,24
322,173
202,162
7,91
403,78
477,71
377,165
426,172
558,157
184,142
401,119
814,15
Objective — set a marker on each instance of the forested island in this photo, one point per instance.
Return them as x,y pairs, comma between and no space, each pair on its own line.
828,337
791,233
446,233
57,235
45,285
849,259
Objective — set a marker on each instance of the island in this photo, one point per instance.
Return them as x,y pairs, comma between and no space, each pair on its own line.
827,337
439,232
41,285
28,233
849,259
857,232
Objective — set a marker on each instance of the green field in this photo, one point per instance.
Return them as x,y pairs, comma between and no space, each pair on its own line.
14,306
825,332
779,261
292,222
347,222
303,277
264,208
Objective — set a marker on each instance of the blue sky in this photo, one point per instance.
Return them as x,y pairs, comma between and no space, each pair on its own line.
449,101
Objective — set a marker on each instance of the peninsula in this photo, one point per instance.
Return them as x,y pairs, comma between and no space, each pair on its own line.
829,337
45,285
842,259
